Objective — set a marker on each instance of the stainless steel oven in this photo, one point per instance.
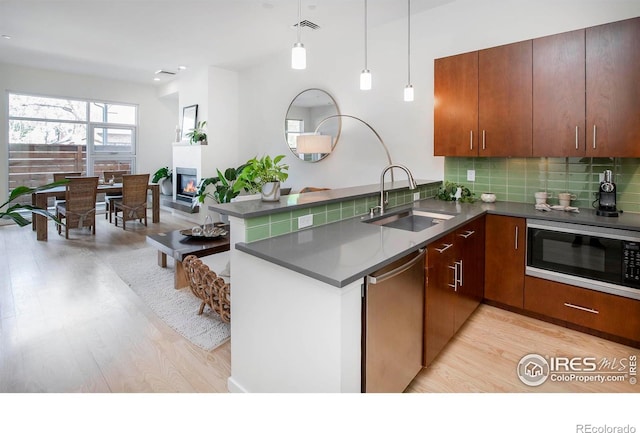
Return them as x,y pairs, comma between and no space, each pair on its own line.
597,258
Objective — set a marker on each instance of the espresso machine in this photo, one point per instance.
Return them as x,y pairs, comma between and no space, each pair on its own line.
607,196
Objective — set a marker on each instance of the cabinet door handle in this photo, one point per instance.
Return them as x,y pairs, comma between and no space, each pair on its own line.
483,140
454,286
594,136
467,233
471,141
517,233
577,307
446,247
459,276
576,138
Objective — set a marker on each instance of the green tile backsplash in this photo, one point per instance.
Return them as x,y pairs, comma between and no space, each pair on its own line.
287,222
517,179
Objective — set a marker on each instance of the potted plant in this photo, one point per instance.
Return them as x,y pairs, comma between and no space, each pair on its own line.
223,184
164,177
13,212
266,174
198,134
452,191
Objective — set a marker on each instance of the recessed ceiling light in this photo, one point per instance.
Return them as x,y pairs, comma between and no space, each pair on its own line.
182,68
6,37
156,79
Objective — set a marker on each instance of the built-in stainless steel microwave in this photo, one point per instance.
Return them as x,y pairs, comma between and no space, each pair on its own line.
597,258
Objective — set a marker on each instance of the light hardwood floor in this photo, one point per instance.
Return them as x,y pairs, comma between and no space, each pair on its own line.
65,328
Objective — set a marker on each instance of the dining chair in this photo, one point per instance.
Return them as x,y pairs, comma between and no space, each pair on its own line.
133,203
62,176
109,196
79,207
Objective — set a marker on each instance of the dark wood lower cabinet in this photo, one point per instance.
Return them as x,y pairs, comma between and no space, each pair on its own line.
439,296
591,309
485,259
470,288
505,247
454,284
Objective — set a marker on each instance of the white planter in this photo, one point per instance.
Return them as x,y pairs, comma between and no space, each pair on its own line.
271,191
166,186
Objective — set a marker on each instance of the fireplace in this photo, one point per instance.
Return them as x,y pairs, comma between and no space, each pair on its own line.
186,183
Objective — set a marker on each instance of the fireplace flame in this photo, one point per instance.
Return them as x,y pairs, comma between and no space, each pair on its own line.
191,187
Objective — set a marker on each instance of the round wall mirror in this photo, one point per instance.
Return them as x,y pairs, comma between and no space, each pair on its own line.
307,132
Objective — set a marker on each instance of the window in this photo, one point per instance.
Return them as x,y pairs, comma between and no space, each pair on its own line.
48,135
294,127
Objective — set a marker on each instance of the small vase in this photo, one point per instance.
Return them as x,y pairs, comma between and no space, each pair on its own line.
488,197
271,191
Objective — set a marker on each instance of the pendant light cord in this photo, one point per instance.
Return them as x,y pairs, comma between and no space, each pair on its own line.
365,35
299,19
409,41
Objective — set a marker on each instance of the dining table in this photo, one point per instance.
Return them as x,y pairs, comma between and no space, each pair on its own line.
41,198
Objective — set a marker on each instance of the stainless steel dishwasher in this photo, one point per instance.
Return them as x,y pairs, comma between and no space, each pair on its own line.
393,322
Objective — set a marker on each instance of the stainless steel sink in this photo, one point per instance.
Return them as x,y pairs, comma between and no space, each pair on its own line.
413,220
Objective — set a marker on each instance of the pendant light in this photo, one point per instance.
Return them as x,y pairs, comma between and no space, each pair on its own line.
365,75
408,90
298,52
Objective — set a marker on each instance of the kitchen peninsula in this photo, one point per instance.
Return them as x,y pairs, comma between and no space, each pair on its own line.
296,298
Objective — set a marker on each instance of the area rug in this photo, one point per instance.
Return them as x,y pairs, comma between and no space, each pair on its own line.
177,308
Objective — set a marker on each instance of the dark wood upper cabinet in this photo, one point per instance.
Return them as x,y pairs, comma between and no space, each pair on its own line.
505,100
613,89
571,94
558,95
456,105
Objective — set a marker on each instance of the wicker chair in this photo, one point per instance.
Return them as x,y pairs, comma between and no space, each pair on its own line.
61,176
108,197
79,208
133,203
211,289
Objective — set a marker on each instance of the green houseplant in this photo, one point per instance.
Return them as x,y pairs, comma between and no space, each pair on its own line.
12,211
198,134
163,176
264,175
223,184
448,192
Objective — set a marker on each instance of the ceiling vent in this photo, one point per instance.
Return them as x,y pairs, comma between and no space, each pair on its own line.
306,23
163,72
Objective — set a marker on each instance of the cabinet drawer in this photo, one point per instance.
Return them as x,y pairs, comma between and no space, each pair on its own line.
596,310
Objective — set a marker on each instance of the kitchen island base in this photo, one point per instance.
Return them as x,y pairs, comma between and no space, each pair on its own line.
292,333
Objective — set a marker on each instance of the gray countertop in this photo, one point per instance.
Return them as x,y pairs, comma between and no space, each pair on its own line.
345,251
255,208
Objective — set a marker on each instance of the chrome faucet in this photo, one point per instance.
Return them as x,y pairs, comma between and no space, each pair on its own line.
383,202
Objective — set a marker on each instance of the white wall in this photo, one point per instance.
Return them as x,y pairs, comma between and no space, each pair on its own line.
156,115
215,91
407,128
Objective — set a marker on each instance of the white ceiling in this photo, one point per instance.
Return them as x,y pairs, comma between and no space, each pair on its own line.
131,39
